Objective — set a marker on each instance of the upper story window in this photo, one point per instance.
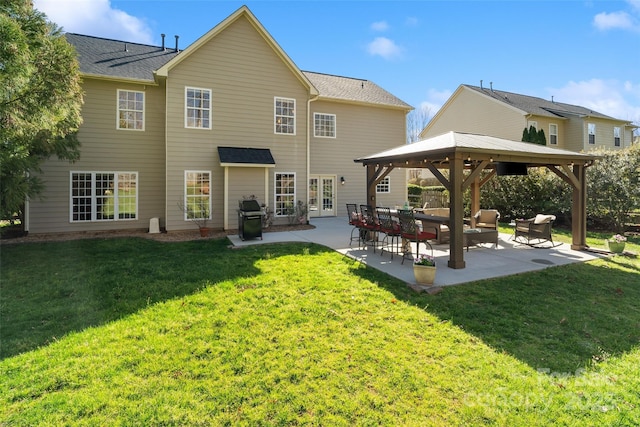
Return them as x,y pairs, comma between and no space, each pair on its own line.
285,116
384,186
130,110
104,196
324,125
616,136
591,127
197,108
553,134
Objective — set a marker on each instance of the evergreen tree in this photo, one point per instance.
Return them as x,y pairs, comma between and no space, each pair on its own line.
541,138
40,101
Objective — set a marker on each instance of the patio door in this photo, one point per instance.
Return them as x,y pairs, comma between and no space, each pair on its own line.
322,195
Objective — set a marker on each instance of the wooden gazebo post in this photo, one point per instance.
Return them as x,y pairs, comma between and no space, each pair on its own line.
456,212
579,209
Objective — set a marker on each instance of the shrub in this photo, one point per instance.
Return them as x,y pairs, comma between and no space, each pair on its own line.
613,187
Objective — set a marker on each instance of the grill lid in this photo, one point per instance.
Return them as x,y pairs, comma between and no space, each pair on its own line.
250,205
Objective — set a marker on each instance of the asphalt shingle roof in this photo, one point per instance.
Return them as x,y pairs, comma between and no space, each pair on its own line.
538,106
120,59
351,89
257,156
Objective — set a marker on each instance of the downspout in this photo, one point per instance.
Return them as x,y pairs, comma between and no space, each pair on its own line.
309,119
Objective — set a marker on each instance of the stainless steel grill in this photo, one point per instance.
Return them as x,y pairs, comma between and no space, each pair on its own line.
249,219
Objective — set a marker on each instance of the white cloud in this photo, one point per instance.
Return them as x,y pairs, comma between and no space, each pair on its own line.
385,48
380,26
606,21
413,22
635,5
621,20
614,98
96,18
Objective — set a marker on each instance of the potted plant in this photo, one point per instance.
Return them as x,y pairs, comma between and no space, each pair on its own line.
616,243
197,211
424,269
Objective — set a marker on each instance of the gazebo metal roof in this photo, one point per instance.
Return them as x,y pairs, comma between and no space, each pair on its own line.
465,156
436,149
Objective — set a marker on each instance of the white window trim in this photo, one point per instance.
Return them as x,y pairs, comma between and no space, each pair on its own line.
335,126
383,183
533,123
619,129
186,108
186,173
595,130
144,109
94,196
275,194
275,116
550,133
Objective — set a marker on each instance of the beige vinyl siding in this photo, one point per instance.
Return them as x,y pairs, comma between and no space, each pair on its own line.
245,182
360,131
244,74
543,123
472,112
574,135
604,134
107,149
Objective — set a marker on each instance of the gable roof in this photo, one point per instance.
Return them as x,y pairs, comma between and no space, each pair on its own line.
538,106
122,60
242,12
354,90
99,57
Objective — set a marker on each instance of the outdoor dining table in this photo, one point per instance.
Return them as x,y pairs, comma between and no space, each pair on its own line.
429,221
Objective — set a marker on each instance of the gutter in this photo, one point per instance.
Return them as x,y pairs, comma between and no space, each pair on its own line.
309,119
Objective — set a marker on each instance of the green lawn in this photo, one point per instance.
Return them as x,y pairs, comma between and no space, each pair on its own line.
137,332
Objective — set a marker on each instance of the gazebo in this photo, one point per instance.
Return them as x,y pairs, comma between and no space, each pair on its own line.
459,152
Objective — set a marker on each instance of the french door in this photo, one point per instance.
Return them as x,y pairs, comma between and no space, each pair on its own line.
322,195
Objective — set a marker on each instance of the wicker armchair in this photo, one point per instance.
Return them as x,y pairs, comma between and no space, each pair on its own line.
534,231
487,218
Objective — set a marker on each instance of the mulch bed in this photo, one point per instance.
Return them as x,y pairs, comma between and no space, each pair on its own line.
12,237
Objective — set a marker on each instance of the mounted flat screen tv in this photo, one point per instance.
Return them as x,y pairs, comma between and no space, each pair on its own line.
510,168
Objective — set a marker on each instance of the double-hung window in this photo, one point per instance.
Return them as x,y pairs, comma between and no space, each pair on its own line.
104,196
197,199
324,125
591,127
616,136
285,116
130,110
384,186
197,108
285,193
553,134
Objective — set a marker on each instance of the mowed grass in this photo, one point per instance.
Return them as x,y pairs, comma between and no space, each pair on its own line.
136,332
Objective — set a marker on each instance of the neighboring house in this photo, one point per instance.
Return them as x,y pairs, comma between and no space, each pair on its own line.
487,111
230,116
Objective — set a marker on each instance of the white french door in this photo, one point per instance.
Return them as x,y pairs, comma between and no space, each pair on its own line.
322,195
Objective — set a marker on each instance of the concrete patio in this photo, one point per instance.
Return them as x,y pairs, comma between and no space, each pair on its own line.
482,262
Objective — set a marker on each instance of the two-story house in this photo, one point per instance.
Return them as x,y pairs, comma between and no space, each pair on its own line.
487,111
227,117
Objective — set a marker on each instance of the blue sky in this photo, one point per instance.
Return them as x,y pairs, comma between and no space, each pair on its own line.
580,52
